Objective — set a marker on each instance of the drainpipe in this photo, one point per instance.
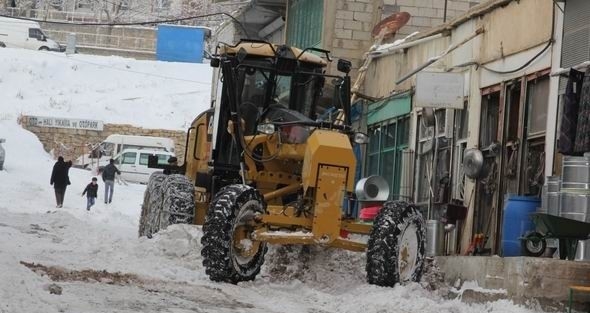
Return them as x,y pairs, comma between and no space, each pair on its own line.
551,133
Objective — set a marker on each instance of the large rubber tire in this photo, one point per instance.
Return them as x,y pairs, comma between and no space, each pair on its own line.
168,199
232,207
178,205
397,240
152,203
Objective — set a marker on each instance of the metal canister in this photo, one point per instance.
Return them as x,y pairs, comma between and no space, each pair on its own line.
575,204
583,250
451,242
576,172
435,238
550,195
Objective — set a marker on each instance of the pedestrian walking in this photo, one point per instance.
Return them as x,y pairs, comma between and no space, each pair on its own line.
91,192
60,179
108,176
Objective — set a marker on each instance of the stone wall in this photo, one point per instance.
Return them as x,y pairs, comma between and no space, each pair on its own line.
71,143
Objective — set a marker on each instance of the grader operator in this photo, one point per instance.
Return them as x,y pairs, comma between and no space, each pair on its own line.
270,163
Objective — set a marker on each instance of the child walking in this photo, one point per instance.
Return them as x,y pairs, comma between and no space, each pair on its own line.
90,191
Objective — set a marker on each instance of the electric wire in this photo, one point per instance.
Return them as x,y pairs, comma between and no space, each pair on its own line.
125,70
161,21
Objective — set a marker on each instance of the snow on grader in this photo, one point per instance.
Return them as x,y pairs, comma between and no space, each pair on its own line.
272,162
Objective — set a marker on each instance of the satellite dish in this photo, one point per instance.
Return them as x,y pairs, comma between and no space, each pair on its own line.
473,163
391,24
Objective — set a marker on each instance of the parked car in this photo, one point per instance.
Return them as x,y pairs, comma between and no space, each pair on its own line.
133,163
115,144
17,33
2,154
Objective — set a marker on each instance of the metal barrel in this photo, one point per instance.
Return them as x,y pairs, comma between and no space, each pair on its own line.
583,250
550,195
576,172
435,238
575,204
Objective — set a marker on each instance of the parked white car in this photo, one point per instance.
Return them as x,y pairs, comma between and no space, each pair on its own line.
16,33
133,163
2,154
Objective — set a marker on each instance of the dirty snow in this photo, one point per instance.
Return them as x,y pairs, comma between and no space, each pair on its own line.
96,258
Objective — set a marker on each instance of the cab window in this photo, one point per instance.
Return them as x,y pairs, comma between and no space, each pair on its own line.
163,158
35,33
129,158
143,158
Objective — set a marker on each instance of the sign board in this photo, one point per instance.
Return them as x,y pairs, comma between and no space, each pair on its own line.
73,123
439,90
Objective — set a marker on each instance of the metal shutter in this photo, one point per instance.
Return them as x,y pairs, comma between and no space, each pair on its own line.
576,33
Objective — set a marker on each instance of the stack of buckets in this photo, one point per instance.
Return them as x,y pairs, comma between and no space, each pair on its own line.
569,196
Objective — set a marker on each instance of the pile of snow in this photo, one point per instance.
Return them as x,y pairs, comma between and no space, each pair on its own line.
169,265
112,89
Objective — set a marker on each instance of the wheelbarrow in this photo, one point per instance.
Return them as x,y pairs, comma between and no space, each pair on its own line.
566,230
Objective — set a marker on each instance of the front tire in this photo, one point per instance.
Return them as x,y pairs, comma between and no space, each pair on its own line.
395,251
229,253
44,48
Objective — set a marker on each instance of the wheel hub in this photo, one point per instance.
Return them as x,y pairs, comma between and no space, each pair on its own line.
243,246
408,253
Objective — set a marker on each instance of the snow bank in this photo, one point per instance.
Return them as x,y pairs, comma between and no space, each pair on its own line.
148,94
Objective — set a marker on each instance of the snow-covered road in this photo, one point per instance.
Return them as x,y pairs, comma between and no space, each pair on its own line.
96,257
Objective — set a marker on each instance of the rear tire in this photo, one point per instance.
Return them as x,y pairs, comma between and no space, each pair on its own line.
44,48
152,203
168,199
395,251
178,205
226,260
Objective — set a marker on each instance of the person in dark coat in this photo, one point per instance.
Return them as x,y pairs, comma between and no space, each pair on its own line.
91,192
60,179
108,177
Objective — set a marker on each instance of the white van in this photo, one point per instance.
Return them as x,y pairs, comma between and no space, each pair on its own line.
133,163
116,143
16,33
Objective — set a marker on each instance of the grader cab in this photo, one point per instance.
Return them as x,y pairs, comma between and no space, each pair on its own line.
272,162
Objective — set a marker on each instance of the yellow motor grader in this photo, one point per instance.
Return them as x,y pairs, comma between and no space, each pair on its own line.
272,162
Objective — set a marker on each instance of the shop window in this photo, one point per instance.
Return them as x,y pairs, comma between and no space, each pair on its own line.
384,152
537,101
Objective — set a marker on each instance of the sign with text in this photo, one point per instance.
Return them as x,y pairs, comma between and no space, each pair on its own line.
74,123
440,90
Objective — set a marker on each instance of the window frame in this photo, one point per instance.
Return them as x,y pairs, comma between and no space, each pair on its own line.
397,148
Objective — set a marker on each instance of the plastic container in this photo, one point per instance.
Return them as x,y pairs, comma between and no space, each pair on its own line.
517,222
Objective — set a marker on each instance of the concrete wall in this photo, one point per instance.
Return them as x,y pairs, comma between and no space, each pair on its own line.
112,37
543,279
71,143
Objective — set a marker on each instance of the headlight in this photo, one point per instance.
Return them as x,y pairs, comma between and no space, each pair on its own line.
267,129
361,138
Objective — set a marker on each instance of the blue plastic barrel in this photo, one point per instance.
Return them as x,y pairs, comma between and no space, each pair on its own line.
517,222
